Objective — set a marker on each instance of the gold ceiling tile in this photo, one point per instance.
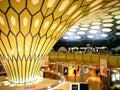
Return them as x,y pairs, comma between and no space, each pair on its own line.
4,4
34,46
15,69
12,40
23,68
18,6
9,70
13,21
49,6
19,62
33,9
20,42
25,20
2,48
96,8
6,44
36,23
28,40
60,9
31,66
70,11
46,43
96,2
2,21
114,9
3,24
53,27
27,78
57,31
111,3
53,41
77,14
45,25
86,2
12,69
40,46
18,1
35,2
116,12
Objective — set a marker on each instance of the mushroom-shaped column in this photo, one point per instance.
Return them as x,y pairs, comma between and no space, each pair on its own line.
28,31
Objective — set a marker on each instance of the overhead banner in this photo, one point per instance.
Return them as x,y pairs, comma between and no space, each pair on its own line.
103,67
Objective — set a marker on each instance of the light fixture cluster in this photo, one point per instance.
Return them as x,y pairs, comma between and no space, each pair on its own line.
97,25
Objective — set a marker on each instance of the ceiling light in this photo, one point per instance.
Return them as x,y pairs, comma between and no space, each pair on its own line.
25,21
90,36
77,37
93,31
65,37
117,17
35,2
118,22
107,20
72,29
63,5
46,24
85,25
80,32
75,27
106,30
13,21
108,25
96,23
95,27
69,33
103,35
50,3
71,10
36,23
2,21
118,27
118,33
83,29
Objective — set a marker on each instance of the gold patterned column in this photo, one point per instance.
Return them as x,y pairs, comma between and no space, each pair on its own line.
30,28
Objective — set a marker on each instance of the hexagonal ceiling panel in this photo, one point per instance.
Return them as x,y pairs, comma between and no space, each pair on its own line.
99,27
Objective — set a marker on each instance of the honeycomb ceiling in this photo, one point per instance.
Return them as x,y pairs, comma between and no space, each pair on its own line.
100,26
36,25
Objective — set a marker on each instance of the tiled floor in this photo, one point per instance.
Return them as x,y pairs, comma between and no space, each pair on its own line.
93,81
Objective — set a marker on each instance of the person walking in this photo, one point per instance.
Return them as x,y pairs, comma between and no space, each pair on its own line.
75,72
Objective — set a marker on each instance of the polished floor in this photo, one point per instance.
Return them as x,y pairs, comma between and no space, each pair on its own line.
93,81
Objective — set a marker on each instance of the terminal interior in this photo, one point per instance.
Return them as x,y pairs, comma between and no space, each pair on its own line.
59,44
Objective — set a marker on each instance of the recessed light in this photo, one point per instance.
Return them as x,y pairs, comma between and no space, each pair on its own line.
106,29
93,31
118,33
103,35
90,36
83,29
80,32
65,37
95,27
